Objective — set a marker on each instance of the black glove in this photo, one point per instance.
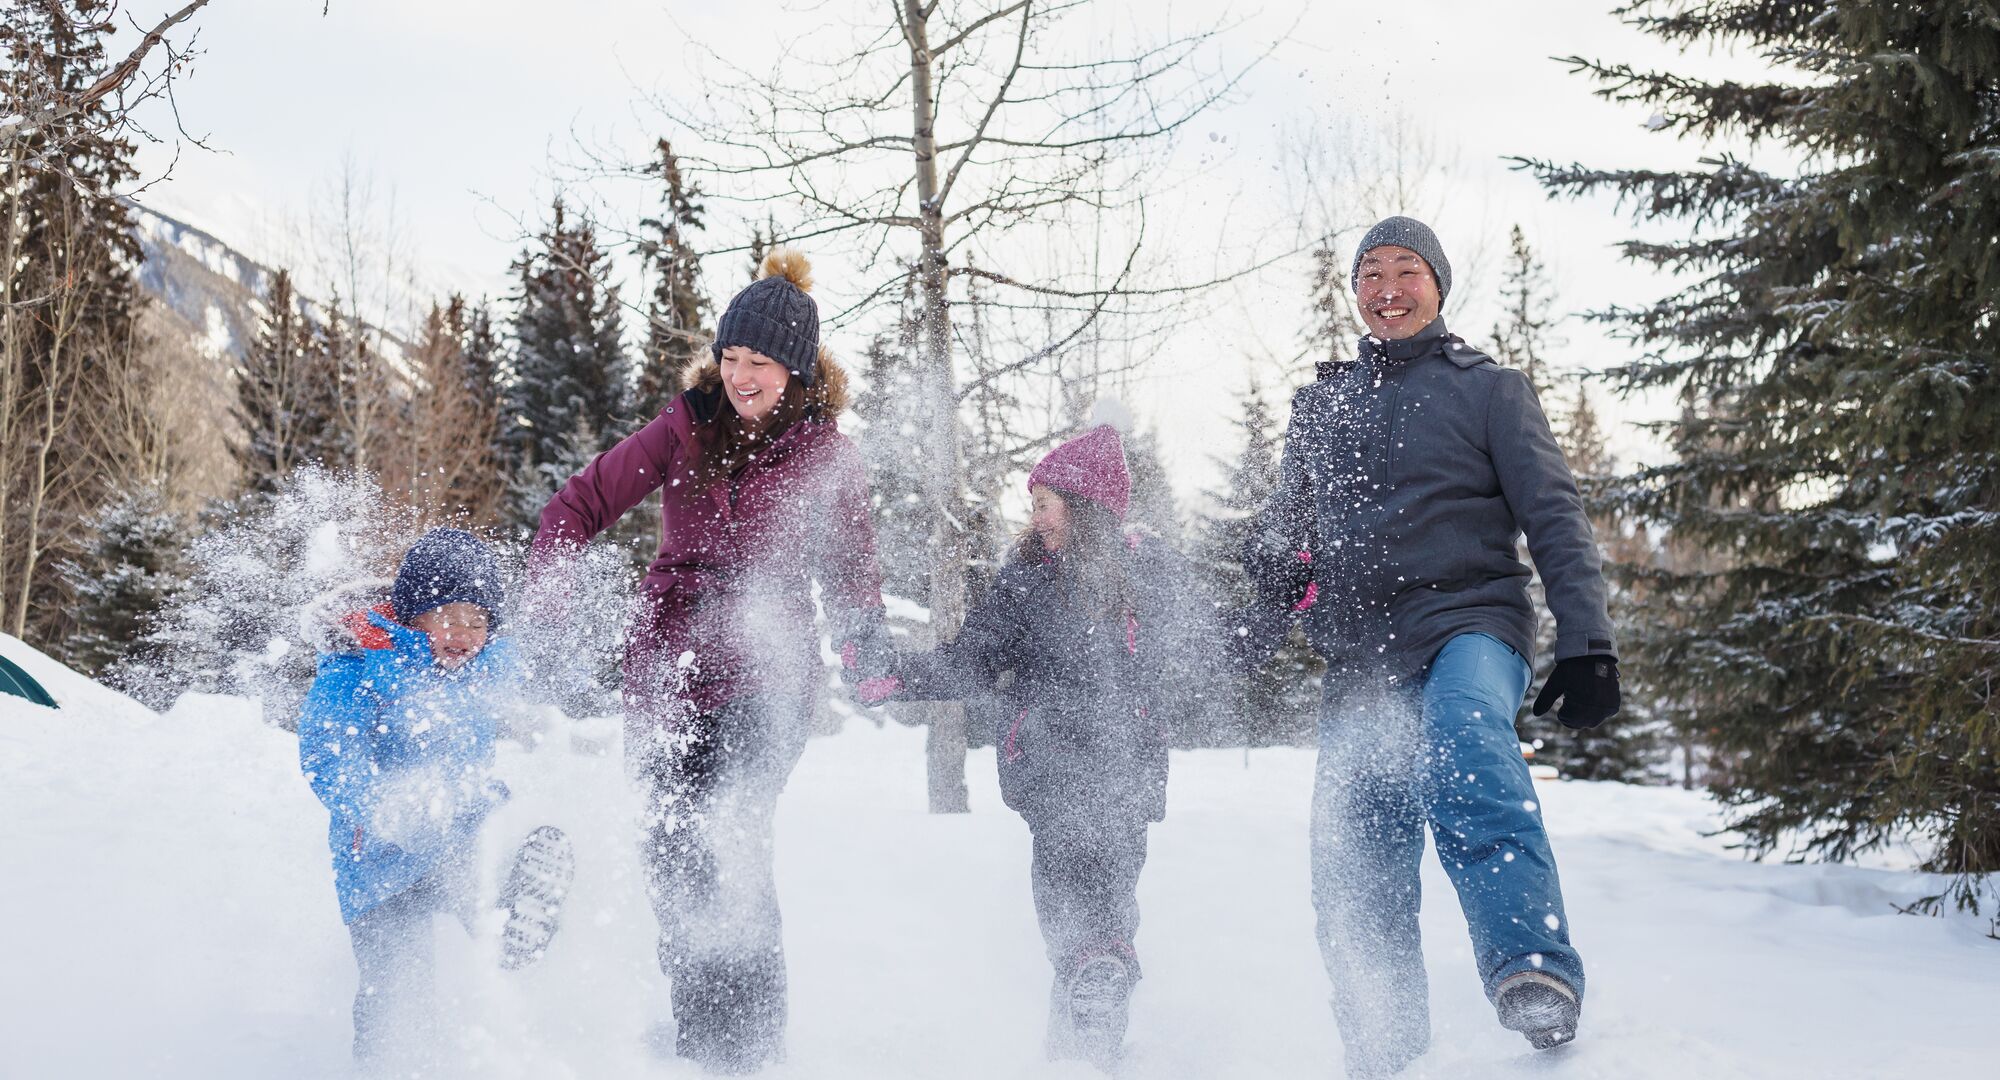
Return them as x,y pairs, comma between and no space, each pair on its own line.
1588,687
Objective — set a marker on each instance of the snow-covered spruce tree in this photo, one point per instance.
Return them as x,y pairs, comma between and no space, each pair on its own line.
1836,352
1623,747
1629,747
677,307
893,445
130,566
568,375
1153,507
1274,706
1521,339
284,393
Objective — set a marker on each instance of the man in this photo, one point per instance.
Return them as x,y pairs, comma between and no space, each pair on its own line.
1408,476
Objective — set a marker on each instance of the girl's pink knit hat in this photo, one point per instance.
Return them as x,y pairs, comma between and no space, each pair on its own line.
1092,466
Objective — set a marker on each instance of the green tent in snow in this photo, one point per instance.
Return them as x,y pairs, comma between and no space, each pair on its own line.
15,681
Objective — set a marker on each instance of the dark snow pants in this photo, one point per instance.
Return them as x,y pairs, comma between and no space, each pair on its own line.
1085,876
714,789
395,1004
1086,882
1392,761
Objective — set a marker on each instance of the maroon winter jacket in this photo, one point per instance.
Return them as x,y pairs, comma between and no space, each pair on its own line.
726,606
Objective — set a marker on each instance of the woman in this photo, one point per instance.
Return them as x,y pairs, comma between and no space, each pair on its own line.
761,493
1093,620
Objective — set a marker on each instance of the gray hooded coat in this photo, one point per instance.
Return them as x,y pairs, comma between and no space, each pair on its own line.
1408,476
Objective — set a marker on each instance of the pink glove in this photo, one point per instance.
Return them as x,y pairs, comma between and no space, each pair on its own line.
877,691
1311,597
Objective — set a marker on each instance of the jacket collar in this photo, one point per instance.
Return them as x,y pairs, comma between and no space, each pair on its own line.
1409,348
1373,348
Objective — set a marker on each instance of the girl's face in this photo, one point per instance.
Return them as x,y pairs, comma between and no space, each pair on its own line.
458,632
754,383
1050,519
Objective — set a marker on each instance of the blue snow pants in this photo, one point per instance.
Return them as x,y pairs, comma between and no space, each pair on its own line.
1393,759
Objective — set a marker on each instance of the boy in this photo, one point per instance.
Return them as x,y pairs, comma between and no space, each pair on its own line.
396,737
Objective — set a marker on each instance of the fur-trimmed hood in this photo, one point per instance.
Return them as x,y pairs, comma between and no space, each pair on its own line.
826,398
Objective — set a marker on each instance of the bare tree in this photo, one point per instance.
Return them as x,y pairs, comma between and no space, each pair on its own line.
107,104
1345,175
961,142
70,390
361,263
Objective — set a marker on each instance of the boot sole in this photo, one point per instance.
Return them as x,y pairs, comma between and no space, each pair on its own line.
533,896
1543,1015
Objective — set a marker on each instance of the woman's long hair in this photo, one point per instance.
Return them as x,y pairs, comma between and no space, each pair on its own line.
726,444
1092,561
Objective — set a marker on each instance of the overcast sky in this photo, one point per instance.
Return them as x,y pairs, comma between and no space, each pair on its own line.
466,113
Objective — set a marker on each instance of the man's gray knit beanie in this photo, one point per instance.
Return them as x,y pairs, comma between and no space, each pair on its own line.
1410,233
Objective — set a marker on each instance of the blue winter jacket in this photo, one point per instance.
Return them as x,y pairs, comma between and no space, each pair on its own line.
400,751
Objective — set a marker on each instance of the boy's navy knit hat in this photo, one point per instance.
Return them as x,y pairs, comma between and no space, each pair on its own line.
1406,232
448,566
775,316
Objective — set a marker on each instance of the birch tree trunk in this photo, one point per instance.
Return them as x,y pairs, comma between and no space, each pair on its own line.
945,747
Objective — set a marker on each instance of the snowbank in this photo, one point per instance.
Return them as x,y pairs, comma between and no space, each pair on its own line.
170,914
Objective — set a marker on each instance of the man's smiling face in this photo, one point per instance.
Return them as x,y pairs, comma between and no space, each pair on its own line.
1397,292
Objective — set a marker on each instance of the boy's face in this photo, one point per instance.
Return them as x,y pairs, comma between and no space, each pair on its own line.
457,632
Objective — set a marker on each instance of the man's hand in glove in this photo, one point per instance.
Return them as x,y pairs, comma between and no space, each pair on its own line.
1588,687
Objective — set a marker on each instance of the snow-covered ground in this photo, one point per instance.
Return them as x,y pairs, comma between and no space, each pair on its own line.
167,912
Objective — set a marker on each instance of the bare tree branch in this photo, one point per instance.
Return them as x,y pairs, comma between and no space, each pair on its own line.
63,106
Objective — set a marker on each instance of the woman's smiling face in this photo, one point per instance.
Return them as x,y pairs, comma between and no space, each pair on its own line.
753,381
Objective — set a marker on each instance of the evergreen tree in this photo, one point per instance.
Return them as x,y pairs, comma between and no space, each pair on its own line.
127,571
678,308
73,394
762,239
1521,337
1628,746
486,366
455,417
1334,328
1277,704
995,455
892,446
1837,352
1153,507
567,385
1623,747
284,393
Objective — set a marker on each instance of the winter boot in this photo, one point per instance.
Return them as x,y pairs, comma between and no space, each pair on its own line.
1098,996
730,1013
1539,1006
532,896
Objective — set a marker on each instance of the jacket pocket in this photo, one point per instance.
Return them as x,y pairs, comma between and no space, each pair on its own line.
1010,745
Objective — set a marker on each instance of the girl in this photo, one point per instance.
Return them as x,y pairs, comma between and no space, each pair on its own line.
1089,617
760,493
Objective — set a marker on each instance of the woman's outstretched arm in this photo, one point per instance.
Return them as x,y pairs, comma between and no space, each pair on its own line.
615,481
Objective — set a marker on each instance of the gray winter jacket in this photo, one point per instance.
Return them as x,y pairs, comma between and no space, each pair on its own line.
1408,476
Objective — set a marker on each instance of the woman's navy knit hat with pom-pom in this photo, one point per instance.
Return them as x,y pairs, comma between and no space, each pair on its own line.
776,316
